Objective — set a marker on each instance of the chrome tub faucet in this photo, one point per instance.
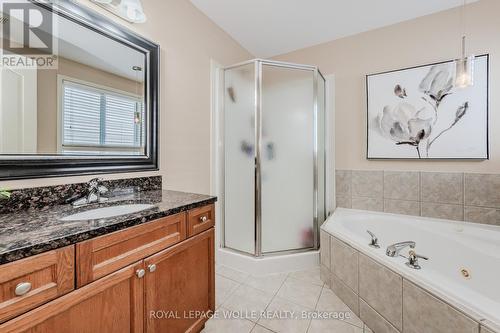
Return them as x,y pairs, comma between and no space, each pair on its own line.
413,260
374,242
394,249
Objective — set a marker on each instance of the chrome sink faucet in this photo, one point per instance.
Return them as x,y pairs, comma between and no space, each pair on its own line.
394,249
94,191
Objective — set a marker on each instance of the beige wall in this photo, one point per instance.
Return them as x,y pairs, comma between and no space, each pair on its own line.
47,96
188,41
421,41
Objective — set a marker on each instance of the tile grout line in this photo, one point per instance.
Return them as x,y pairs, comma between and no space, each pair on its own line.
316,307
272,299
232,279
274,295
350,310
350,186
239,284
293,302
268,329
463,194
358,296
225,277
383,190
402,303
420,197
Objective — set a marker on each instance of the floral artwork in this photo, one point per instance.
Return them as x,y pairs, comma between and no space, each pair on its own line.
419,113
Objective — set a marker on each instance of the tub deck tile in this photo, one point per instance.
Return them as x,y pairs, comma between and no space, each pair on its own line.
422,312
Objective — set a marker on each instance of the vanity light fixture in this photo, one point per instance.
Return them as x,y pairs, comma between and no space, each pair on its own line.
465,65
129,10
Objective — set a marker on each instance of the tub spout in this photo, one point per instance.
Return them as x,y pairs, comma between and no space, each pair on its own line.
394,249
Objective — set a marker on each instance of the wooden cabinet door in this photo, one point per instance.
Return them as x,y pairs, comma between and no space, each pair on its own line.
30,282
106,254
180,286
113,304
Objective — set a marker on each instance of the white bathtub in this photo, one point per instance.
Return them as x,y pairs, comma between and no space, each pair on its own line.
451,247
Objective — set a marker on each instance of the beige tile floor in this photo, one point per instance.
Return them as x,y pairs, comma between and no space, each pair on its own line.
242,298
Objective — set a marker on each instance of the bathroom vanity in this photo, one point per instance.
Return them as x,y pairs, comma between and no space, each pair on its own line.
148,271
142,260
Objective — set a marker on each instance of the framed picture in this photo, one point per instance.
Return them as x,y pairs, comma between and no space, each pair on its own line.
417,113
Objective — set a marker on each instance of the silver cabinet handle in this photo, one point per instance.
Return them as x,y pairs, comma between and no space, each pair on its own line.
152,268
140,273
203,219
22,288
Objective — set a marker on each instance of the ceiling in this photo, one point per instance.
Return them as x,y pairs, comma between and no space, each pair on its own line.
270,27
85,46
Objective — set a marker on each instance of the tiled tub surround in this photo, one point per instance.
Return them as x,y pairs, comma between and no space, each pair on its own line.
455,196
391,297
29,231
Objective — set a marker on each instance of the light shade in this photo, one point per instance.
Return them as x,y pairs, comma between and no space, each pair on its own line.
130,10
465,72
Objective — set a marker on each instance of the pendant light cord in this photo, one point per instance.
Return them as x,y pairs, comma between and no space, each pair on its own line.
462,24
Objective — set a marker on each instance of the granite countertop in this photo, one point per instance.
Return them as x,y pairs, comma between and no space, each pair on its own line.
33,231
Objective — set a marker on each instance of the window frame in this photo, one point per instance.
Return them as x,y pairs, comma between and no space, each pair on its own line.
101,89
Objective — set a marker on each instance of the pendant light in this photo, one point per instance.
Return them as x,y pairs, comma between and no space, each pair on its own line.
465,65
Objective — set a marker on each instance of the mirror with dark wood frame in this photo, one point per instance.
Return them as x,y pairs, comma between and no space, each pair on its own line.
78,93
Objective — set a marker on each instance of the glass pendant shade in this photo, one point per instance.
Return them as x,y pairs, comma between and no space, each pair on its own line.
464,75
465,72
130,10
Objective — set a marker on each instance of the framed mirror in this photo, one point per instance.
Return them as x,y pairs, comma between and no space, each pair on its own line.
78,93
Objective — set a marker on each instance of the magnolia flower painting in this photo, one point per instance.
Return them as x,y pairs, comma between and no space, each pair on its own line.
419,113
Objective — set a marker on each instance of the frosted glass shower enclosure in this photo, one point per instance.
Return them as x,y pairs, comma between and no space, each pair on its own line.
274,157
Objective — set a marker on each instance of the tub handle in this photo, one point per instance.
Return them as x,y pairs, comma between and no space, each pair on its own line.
374,241
413,260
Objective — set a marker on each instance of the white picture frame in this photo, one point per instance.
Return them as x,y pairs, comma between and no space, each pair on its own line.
418,113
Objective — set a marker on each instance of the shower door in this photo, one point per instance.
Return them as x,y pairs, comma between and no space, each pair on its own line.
287,158
239,161
274,159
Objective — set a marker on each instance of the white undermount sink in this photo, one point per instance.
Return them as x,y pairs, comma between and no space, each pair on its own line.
102,213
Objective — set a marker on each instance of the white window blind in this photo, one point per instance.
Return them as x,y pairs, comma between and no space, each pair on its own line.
94,117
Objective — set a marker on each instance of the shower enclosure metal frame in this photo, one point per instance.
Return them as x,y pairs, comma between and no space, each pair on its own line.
317,75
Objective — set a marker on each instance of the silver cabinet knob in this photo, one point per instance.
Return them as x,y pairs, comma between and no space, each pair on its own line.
22,288
140,273
203,219
152,268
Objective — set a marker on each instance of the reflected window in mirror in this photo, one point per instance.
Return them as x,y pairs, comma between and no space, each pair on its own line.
100,120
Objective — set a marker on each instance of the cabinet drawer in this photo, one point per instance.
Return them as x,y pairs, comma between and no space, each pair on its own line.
200,219
103,255
28,283
114,304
